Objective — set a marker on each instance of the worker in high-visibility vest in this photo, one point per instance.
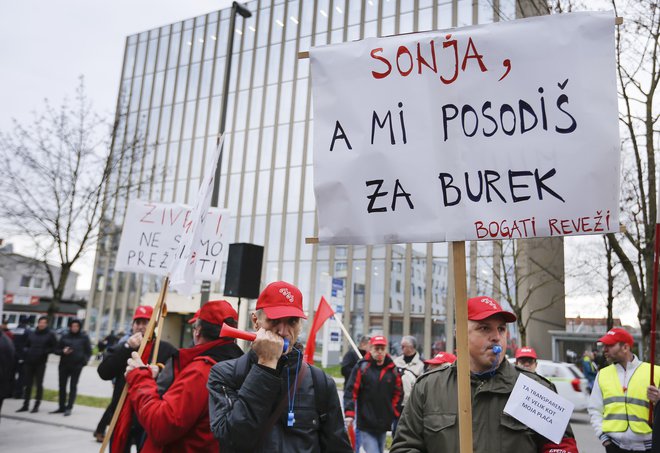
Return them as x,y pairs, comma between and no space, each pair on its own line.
619,406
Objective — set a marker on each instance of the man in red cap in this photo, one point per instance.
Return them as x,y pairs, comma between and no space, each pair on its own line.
619,405
441,359
178,420
270,399
429,422
374,393
526,358
127,431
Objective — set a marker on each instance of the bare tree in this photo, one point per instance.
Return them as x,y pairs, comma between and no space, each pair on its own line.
594,271
52,178
638,76
504,279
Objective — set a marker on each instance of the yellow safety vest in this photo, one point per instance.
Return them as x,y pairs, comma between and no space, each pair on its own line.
621,410
592,366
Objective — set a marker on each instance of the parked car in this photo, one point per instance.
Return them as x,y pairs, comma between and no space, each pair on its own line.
568,379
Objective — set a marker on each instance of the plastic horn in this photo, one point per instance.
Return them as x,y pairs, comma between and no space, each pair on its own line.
232,332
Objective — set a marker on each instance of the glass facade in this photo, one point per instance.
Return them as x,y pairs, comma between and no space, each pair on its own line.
168,117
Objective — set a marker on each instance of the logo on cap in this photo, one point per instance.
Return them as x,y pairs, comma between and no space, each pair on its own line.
286,293
490,303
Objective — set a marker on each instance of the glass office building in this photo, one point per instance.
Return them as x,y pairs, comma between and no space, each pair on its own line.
168,118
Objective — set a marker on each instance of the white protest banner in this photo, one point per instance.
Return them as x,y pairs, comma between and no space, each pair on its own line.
539,408
506,130
152,232
185,261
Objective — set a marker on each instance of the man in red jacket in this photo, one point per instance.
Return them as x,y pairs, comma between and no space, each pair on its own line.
178,421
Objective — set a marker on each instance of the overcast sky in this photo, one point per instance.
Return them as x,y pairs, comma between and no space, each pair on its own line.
45,45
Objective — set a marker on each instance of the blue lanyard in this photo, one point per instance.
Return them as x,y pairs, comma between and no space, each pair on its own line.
292,401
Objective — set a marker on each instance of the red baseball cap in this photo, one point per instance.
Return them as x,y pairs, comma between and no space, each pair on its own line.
378,340
483,307
617,335
195,316
280,300
216,311
526,351
441,357
143,312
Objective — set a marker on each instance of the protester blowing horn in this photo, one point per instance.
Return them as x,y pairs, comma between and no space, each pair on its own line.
232,332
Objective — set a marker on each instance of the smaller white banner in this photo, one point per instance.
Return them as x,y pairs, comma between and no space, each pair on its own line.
539,408
153,231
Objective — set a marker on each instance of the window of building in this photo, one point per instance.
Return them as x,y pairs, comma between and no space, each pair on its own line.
38,282
25,281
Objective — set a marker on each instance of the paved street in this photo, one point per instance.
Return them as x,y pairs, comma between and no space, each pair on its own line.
584,433
44,432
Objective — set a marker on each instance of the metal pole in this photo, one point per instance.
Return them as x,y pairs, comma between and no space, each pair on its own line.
245,13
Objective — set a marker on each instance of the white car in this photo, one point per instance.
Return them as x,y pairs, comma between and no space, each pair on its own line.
569,380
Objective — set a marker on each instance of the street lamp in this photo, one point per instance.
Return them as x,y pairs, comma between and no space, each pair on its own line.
245,13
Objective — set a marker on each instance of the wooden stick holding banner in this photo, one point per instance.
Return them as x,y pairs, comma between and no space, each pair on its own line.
463,362
148,335
161,316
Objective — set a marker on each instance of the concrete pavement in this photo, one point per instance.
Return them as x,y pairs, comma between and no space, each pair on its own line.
584,434
43,432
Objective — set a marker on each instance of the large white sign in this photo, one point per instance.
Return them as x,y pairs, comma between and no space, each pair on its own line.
507,130
153,231
539,408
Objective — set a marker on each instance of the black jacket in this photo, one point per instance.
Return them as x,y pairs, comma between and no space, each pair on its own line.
378,393
82,349
348,362
6,365
243,396
114,364
39,344
21,334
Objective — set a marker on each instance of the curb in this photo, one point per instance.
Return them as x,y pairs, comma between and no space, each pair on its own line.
43,422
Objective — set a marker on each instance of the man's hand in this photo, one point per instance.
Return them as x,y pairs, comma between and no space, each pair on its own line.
268,346
67,350
135,362
653,393
348,422
135,340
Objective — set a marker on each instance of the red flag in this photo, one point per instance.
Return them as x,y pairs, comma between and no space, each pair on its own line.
323,312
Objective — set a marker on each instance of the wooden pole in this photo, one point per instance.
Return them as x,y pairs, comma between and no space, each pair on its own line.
348,337
463,353
163,313
145,339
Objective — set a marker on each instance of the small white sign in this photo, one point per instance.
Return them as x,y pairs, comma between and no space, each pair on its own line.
539,408
153,232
